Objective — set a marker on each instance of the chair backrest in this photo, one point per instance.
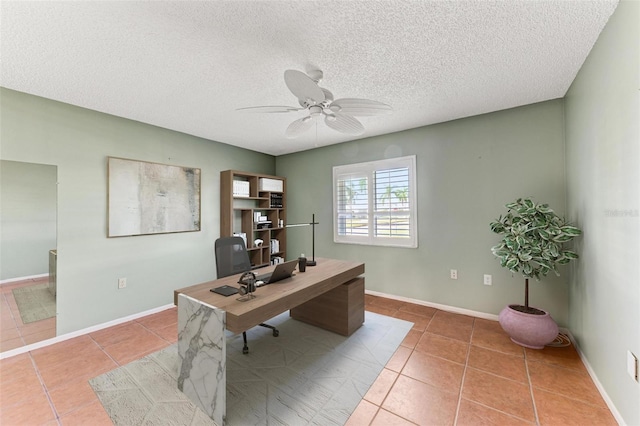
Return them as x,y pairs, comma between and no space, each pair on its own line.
231,256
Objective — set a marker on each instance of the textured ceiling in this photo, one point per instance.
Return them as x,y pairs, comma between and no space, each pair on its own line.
188,66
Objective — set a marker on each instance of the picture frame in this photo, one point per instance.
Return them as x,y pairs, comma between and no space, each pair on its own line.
146,198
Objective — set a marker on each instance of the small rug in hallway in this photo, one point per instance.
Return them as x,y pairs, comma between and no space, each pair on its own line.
306,376
35,302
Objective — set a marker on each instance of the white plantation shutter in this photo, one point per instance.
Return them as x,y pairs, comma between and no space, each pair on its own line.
375,203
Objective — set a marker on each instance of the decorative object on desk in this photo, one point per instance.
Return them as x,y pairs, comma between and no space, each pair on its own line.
297,378
150,198
247,285
532,245
302,263
313,224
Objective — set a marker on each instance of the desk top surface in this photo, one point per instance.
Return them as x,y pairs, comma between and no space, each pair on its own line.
280,296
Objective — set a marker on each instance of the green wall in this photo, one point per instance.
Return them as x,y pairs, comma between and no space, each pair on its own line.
78,142
603,162
467,170
27,218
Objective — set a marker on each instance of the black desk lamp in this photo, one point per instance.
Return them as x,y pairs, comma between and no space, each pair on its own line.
313,224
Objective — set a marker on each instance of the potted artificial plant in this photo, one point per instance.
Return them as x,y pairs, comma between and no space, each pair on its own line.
532,245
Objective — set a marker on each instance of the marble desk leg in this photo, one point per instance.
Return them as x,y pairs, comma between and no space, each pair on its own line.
203,356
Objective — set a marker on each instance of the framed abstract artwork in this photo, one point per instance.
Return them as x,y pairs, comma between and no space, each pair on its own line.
150,198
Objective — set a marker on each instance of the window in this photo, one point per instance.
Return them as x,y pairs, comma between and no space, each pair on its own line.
374,203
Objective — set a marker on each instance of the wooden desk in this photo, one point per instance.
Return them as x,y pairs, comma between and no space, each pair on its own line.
328,295
287,294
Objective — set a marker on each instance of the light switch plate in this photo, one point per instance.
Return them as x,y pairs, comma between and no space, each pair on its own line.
632,365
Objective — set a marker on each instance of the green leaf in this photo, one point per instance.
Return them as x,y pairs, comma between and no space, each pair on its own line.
570,254
512,264
497,227
525,256
511,206
544,208
528,203
544,234
571,230
563,238
501,253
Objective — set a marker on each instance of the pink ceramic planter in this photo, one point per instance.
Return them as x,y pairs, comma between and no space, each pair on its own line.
528,330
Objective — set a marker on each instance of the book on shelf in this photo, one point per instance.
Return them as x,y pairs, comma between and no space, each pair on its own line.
275,200
240,188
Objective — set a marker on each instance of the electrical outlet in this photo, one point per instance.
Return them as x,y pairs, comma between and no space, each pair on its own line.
454,274
122,282
487,279
632,365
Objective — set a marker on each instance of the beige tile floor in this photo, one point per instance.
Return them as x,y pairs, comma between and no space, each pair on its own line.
450,370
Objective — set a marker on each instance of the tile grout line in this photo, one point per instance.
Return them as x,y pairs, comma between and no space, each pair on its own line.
154,332
464,374
533,399
44,388
102,349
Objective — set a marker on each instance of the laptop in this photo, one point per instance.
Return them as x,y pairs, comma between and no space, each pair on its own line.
282,271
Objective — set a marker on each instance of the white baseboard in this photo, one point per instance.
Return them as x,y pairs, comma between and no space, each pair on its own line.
87,330
447,308
603,392
583,358
30,277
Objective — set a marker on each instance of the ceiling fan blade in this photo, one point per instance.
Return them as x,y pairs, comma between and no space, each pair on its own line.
270,109
299,126
303,87
360,107
344,123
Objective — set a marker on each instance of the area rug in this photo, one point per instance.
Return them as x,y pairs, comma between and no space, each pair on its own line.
306,376
35,302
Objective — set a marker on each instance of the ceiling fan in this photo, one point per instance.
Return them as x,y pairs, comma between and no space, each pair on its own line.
338,114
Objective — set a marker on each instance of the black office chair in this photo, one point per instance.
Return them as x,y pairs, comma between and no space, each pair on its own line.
232,258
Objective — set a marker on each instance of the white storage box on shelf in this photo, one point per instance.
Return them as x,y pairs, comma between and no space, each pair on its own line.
240,188
266,184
